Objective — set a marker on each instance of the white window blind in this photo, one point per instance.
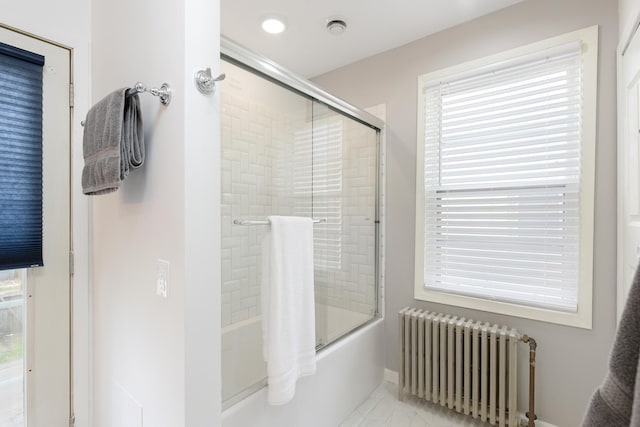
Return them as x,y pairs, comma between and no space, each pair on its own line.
317,187
502,181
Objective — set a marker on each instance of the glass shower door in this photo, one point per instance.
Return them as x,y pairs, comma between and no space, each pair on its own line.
262,123
343,188
284,153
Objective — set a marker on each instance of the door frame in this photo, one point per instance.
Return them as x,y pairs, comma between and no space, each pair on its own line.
624,43
70,243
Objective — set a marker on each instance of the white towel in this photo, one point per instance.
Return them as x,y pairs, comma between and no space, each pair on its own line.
288,311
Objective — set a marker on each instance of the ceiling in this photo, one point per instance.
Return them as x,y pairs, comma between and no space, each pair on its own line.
373,26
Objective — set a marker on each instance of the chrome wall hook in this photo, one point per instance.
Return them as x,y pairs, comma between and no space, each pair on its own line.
205,82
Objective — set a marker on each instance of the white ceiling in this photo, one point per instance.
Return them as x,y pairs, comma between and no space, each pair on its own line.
373,26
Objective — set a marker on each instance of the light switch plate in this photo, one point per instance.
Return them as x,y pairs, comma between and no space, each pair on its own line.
162,281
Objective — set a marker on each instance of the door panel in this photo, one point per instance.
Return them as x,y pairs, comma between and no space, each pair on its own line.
48,385
628,170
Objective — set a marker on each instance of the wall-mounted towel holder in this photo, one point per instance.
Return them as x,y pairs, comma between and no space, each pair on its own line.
266,221
164,92
205,82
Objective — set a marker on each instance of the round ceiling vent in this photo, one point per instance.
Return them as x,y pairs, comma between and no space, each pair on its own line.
336,26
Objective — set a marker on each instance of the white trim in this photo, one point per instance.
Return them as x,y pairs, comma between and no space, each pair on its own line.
539,423
622,111
391,376
583,317
623,45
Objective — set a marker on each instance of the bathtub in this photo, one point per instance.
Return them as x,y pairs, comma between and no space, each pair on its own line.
348,370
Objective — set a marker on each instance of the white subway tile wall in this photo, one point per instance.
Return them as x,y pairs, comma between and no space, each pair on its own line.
254,139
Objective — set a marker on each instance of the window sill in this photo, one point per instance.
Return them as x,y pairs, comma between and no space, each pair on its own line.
579,319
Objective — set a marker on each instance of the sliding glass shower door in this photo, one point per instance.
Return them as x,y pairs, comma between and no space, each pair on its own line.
285,153
342,184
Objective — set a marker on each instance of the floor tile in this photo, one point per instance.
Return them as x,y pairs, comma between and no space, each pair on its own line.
384,409
354,420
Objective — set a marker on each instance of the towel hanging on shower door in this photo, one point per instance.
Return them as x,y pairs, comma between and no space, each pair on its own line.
288,306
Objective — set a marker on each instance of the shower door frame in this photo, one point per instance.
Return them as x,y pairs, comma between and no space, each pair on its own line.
266,67
239,55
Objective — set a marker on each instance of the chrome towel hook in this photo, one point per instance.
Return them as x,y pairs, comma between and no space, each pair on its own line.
205,82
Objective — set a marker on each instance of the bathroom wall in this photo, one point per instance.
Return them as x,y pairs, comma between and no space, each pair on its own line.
156,361
571,362
48,23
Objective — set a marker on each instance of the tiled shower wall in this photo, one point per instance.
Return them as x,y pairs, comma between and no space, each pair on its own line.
352,285
251,136
258,180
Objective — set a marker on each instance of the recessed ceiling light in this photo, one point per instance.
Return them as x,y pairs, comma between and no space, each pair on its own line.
273,25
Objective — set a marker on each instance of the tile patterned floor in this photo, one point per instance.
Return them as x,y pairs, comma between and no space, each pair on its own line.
383,409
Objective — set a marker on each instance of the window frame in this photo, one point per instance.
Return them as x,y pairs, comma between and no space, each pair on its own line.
588,38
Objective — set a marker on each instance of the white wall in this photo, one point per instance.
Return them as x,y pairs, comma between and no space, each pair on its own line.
571,362
202,217
156,361
50,22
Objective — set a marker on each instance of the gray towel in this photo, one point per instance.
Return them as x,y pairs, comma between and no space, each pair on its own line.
617,400
113,142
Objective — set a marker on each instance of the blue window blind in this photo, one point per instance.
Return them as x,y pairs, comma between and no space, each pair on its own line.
20,158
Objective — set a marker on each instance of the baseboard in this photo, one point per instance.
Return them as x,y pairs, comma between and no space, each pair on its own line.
540,423
393,378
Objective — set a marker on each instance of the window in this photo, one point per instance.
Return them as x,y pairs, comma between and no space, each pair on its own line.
34,331
505,184
20,158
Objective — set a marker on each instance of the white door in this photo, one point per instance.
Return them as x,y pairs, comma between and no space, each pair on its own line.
45,384
628,169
